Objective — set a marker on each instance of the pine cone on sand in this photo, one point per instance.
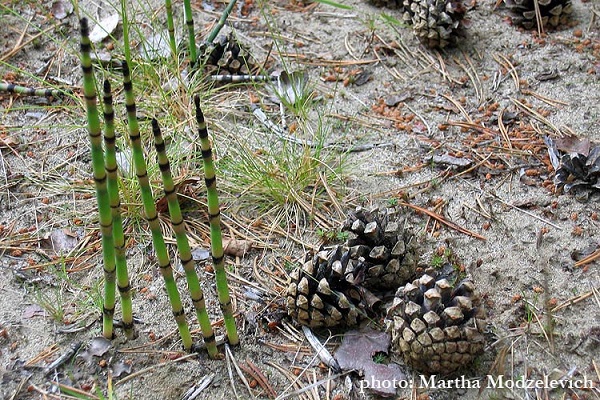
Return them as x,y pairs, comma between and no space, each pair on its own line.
334,287
552,12
434,22
437,328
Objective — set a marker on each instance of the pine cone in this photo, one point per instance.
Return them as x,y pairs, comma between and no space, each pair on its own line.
387,3
552,12
225,56
334,288
319,295
435,22
383,252
438,329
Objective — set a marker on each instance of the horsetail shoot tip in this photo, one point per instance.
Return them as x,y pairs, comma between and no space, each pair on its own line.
214,215
105,215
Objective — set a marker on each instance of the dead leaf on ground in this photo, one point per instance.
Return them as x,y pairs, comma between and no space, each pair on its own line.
9,142
121,368
104,28
61,240
357,351
33,310
62,9
236,247
573,144
200,254
97,347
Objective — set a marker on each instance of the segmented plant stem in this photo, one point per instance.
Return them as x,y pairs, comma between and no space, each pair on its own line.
213,34
214,215
108,246
150,210
115,206
189,22
171,27
12,88
183,245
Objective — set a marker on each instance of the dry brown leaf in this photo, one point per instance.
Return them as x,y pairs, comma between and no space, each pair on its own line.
236,247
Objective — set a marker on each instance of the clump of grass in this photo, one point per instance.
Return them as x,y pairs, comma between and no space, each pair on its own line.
287,183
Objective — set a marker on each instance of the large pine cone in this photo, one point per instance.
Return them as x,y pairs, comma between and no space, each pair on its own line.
437,328
552,12
334,287
225,56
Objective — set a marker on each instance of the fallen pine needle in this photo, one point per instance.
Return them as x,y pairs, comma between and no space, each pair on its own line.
574,300
443,220
592,257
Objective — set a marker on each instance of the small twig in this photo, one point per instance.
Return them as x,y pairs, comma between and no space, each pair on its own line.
66,356
536,115
15,50
495,196
547,100
311,386
575,300
291,377
230,372
503,129
282,134
260,378
71,389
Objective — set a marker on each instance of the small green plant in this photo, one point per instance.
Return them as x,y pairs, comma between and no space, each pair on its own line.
381,358
52,302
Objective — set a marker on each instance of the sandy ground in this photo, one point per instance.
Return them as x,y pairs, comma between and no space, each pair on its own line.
524,284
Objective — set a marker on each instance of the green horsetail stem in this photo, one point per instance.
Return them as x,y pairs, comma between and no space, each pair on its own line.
171,28
150,210
214,215
115,206
213,34
26,91
105,217
183,245
189,22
